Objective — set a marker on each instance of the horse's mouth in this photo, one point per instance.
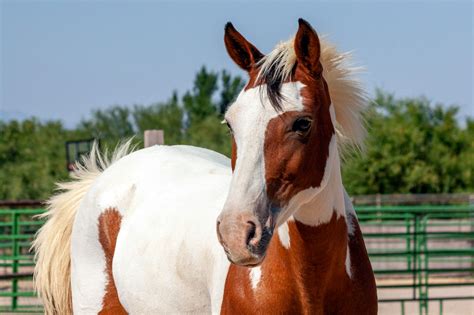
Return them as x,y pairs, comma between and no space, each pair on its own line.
252,265
250,262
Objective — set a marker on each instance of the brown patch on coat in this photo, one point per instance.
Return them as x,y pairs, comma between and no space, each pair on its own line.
293,163
109,226
308,278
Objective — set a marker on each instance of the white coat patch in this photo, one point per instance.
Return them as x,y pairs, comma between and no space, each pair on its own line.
284,235
348,263
255,275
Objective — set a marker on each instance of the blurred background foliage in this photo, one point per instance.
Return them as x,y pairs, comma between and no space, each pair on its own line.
412,146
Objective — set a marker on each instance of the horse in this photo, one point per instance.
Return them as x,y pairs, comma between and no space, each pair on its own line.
181,229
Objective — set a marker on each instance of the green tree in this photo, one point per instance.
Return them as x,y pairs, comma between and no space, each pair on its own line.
205,112
231,87
110,125
211,134
32,153
198,103
32,158
412,147
166,116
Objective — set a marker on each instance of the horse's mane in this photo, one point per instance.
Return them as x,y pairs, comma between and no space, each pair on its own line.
347,93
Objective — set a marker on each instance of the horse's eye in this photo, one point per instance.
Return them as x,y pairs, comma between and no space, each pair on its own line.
302,125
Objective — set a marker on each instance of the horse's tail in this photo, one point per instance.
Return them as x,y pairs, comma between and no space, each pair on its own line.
52,275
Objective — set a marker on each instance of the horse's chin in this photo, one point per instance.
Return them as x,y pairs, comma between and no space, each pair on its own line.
250,262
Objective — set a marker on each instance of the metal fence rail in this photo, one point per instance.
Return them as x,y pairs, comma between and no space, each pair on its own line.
422,248
17,229
416,249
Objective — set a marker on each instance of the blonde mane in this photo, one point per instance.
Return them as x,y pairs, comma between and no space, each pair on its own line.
347,93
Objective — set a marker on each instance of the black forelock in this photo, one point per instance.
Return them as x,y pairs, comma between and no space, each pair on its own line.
272,81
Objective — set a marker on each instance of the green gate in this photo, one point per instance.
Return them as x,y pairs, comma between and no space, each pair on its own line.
17,229
416,249
421,249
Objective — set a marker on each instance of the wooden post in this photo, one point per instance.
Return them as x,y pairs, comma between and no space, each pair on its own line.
153,137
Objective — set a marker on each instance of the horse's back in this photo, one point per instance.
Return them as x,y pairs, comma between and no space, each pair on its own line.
166,254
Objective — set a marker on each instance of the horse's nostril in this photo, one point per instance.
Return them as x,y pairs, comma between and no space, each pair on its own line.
251,231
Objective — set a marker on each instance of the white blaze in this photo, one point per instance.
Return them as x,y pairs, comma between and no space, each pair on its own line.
249,117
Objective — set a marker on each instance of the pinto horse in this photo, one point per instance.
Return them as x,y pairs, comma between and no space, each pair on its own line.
138,234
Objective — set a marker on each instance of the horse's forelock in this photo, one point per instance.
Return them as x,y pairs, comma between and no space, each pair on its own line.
347,94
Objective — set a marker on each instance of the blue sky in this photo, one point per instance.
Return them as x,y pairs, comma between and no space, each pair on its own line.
60,59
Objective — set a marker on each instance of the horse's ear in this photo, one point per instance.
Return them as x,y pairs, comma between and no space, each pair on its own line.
244,54
307,47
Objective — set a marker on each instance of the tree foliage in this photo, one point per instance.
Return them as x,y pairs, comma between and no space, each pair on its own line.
32,158
198,103
32,153
412,147
166,116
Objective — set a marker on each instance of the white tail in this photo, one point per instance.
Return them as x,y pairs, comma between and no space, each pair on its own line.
52,275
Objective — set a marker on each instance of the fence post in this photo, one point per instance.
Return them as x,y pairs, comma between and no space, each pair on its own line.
154,137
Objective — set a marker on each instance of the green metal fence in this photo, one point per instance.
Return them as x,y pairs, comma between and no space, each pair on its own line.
421,249
415,250
17,229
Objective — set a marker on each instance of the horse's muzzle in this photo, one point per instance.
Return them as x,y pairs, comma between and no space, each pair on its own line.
244,239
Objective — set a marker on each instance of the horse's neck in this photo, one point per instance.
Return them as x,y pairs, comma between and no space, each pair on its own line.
320,252
323,204
319,237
